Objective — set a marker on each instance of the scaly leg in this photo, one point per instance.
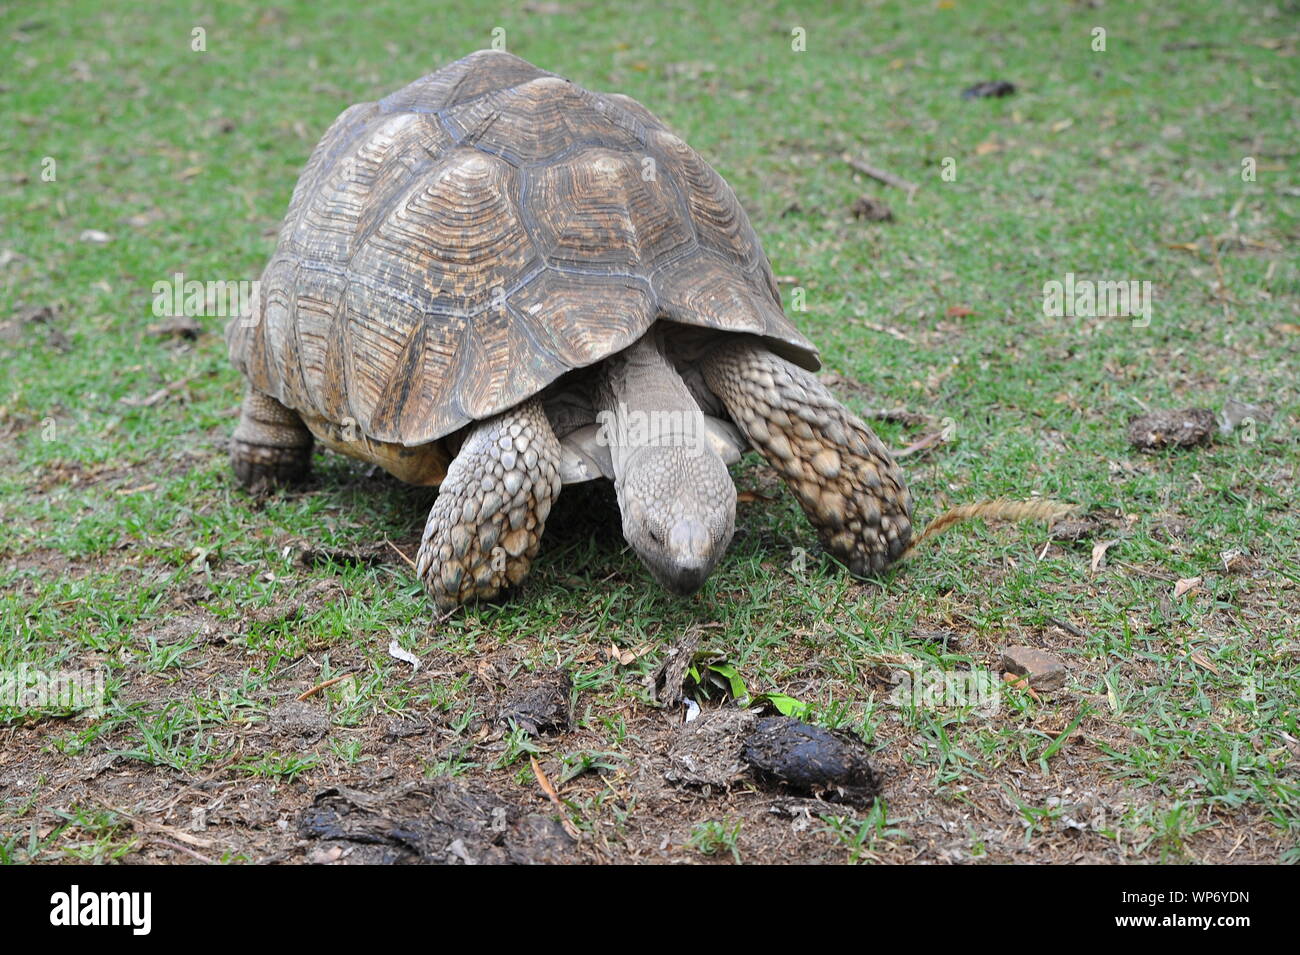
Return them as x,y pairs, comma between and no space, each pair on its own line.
845,479
486,526
271,445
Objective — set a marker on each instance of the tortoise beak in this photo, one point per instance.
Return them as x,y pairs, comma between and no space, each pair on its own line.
688,557
684,581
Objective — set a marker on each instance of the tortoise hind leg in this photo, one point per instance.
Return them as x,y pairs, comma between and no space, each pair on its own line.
486,525
845,479
271,445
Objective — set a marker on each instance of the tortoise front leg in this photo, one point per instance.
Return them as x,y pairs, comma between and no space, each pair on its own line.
486,526
271,445
845,479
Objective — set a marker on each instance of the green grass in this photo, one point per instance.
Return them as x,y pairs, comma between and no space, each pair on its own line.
125,546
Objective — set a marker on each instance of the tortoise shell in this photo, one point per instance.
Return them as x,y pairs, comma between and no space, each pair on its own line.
454,248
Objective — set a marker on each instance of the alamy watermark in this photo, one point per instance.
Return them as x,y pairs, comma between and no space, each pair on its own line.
223,299
26,688
639,428
931,688
1085,298
76,907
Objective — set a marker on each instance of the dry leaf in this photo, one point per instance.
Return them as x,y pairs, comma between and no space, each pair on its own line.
159,395
148,402
137,490
1099,553
923,443
1021,683
1237,561
1186,585
406,656
628,657
554,797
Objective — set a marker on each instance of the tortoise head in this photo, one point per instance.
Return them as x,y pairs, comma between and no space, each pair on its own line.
679,512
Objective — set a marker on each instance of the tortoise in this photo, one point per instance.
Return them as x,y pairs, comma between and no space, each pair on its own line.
498,282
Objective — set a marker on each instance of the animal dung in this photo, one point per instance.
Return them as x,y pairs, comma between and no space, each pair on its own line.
866,209
810,759
989,89
1172,429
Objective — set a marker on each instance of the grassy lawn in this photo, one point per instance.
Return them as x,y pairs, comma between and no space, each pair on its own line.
127,550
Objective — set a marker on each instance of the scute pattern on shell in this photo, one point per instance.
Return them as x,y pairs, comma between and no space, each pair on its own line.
454,248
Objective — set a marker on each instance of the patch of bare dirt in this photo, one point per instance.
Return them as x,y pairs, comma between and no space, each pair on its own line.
437,821
380,804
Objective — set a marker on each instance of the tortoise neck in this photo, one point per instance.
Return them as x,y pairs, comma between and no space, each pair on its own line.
642,403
